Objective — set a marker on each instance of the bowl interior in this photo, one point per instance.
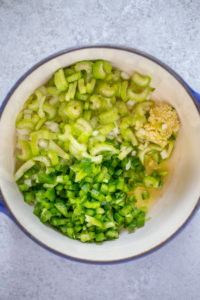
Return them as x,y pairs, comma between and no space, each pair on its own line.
181,189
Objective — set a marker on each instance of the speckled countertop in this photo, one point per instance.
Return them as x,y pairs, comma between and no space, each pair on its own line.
30,31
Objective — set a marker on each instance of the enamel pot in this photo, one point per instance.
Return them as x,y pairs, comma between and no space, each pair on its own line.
180,198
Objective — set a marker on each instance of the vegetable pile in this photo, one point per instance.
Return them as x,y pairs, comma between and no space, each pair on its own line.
86,141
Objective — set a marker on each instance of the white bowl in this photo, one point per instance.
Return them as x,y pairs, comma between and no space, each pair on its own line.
181,196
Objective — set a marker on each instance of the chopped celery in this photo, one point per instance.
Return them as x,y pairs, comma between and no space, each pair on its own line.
74,109
71,91
125,152
108,117
53,90
81,86
138,97
106,90
124,88
80,163
40,123
60,81
84,66
66,134
151,182
50,110
35,142
42,159
103,147
95,102
25,124
128,135
60,152
105,129
141,81
26,151
82,125
98,70
53,157
142,108
90,86
74,77
25,167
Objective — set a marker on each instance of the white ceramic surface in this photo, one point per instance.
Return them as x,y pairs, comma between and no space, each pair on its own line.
181,190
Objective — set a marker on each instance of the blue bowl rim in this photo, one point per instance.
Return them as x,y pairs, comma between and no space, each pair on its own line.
108,46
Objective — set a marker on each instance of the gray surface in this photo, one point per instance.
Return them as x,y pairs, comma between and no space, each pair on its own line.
31,30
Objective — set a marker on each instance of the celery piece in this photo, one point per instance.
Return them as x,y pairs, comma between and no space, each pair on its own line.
74,77
90,86
122,108
105,129
71,91
40,110
53,157
69,71
126,122
26,151
128,135
42,159
101,68
141,81
118,86
81,86
103,147
116,75
84,66
50,110
25,124
151,182
82,126
107,66
108,117
47,134
60,152
125,152
87,115
142,153
86,105
139,97
98,70
75,147
51,90
19,117
60,81
65,135
124,89
35,118
142,108
82,97
25,167
34,103
95,102
40,123
106,89
83,138
73,109
34,143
